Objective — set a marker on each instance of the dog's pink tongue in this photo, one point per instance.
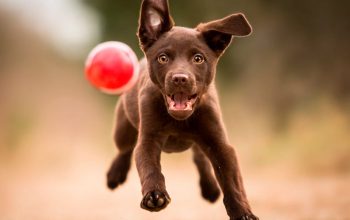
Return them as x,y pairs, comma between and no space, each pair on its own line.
180,100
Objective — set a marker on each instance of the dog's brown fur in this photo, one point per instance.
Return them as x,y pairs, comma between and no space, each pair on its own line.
178,72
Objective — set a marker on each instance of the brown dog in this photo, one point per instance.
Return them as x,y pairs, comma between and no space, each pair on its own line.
175,107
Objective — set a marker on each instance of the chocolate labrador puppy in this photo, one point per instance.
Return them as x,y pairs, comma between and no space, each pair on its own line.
174,107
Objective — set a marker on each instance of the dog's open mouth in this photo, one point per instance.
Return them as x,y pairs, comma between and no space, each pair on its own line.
181,101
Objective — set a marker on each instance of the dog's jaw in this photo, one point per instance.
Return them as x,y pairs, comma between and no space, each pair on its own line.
181,105
181,101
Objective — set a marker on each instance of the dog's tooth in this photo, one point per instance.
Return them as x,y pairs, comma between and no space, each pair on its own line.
172,105
188,105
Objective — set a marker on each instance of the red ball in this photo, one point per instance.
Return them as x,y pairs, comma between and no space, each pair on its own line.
112,67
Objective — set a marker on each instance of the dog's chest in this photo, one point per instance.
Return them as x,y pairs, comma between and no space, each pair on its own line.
179,137
177,143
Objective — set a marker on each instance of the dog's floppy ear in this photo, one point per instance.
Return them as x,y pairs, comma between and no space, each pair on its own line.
154,20
218,34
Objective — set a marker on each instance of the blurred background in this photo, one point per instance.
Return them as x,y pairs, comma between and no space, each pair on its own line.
285,95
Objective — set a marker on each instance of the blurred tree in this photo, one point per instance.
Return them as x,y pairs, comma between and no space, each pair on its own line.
314,35
119,19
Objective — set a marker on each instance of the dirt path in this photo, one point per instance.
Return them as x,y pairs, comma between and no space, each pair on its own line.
78,192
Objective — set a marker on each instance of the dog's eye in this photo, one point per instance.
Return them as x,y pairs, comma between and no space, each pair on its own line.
163,58
198,59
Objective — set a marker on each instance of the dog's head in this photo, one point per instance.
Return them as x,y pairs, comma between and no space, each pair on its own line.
182,61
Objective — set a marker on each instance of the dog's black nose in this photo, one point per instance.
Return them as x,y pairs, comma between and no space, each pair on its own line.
180,79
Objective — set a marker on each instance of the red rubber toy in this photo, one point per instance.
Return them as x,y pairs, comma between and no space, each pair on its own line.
112,67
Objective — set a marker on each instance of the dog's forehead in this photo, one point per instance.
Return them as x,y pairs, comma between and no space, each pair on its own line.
180,38
182,33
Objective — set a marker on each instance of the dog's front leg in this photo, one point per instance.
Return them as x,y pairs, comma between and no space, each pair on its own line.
148,150
147,155
213,141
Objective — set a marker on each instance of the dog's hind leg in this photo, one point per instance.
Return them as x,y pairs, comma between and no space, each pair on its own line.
125,136
209,187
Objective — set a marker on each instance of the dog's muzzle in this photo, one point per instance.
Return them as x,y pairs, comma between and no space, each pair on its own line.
181,95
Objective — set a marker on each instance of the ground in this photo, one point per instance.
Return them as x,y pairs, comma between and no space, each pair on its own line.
77,190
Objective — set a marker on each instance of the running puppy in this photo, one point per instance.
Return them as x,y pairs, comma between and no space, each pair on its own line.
175,107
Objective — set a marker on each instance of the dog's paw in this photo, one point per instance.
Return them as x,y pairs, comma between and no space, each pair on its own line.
115,178
248,217
118,171
210,191
116,175
155,201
